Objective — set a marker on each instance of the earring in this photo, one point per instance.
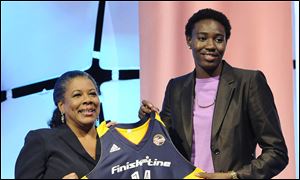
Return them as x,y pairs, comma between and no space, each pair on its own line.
97,122
62,118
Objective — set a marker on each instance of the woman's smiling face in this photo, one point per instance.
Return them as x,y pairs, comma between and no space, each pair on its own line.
208,43
81,103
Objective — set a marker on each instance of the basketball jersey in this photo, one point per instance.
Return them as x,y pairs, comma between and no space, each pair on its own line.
154,156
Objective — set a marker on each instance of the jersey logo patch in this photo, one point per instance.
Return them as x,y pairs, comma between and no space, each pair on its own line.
114,148
159,139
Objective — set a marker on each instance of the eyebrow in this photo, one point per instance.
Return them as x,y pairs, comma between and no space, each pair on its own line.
80,90
218,34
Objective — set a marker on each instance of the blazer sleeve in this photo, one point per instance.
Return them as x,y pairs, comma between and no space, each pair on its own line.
165,113
31,161
266,128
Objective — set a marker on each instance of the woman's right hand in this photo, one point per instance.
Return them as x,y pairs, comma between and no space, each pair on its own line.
111,123
72,175
146,107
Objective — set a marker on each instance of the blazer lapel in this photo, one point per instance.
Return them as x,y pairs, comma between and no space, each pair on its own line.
225,91
187,101
67,135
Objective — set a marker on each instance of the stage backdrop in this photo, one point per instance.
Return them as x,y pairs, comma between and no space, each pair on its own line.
261,39
42,40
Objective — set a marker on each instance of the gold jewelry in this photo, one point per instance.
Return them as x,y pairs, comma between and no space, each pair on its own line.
233,175
206,105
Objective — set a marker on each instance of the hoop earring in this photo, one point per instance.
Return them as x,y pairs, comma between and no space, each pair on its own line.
62,118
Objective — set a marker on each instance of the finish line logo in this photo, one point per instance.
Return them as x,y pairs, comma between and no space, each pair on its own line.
147,162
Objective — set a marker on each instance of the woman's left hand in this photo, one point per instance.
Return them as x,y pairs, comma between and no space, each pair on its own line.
72,175
216,175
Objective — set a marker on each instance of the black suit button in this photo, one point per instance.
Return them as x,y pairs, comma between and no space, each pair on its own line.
217,152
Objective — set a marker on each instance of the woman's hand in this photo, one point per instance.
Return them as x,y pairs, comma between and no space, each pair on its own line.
147,107
111,123
217,175
72,175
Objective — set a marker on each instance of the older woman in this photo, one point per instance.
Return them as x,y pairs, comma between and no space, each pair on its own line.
70,148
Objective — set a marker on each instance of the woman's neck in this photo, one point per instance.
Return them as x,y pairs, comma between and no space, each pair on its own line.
87,136
83,131
202,73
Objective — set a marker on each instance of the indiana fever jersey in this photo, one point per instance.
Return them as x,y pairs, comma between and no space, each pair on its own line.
154,156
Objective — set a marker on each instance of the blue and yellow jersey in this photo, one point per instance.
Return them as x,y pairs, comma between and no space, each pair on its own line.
141,150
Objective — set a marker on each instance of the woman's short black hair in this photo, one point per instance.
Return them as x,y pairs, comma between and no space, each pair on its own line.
207,14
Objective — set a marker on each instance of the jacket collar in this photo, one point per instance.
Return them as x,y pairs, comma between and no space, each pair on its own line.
67,135
224,94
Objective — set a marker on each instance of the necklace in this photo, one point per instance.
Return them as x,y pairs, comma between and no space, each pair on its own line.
206,105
